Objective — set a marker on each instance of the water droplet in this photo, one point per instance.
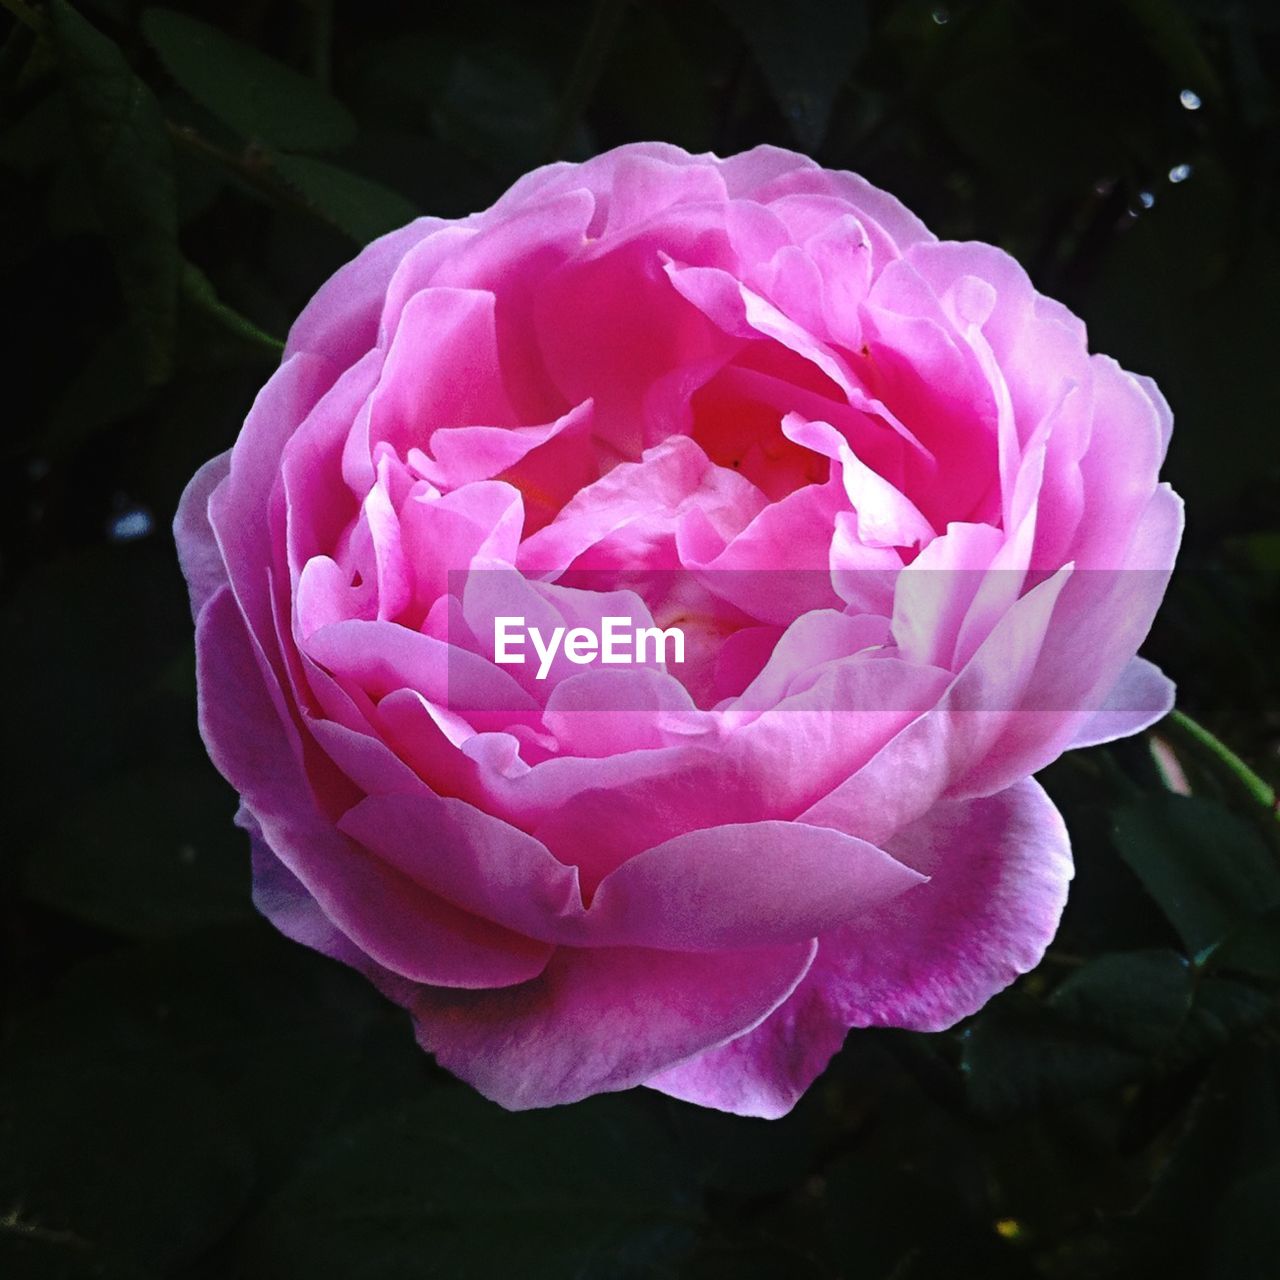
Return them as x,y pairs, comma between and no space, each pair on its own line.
941,16
1180,173
130,525
1190,99
1146,199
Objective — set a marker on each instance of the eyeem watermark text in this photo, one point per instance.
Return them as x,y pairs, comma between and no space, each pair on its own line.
618,643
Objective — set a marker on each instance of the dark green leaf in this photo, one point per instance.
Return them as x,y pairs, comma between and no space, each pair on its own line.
1172,34
496,106
110,386
260,98
150,855
1208,869
34,1252
1224,1008
648,51
1247,1243
92,627
364,209
752,1260
125,146
121,1148
39,138
1230,1134
1254,948
73,204
25,58
1137,1000
454,1187
297,1043
199,291
748,1157
1102,1028
806,49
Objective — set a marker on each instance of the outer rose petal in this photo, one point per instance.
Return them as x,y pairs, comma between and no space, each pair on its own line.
198,552
999,869
602,1020
341,320
1104,613
394,921
1142,695
239,506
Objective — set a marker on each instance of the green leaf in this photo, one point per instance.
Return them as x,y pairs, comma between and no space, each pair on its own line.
649,51
598,41
364,209
151,854
497,107
298,1044
453,1186
122,1153
37,1253
1102,1028
1224,1010
1229,1135
1208,869
256,96
198,289
92,626
1137,999
806,49
38,139
122,136
1254,948
745,1157
753,1259
140,1101
1247,1235
110,386
1172,34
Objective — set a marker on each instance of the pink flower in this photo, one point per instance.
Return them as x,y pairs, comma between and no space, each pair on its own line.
912,530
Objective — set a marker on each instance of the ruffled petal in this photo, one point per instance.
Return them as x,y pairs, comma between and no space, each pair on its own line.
999,869
399,925
198,551
601,1020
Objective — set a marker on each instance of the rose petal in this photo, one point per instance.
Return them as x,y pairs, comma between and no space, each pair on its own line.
601,1020
999,869
198,551
397,924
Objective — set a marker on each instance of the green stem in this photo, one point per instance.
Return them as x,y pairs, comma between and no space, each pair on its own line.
252,167
24,14
1183,731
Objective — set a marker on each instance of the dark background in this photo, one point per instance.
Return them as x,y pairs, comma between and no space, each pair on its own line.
182,1093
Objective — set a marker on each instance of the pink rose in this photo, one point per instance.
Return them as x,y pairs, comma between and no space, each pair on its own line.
912,528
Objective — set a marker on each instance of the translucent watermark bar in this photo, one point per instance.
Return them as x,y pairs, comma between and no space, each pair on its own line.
748,641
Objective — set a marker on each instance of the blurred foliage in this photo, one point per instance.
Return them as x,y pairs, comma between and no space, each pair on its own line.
182,1093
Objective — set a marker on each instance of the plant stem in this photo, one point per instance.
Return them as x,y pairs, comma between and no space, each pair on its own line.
1183,731
254,168
24,14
